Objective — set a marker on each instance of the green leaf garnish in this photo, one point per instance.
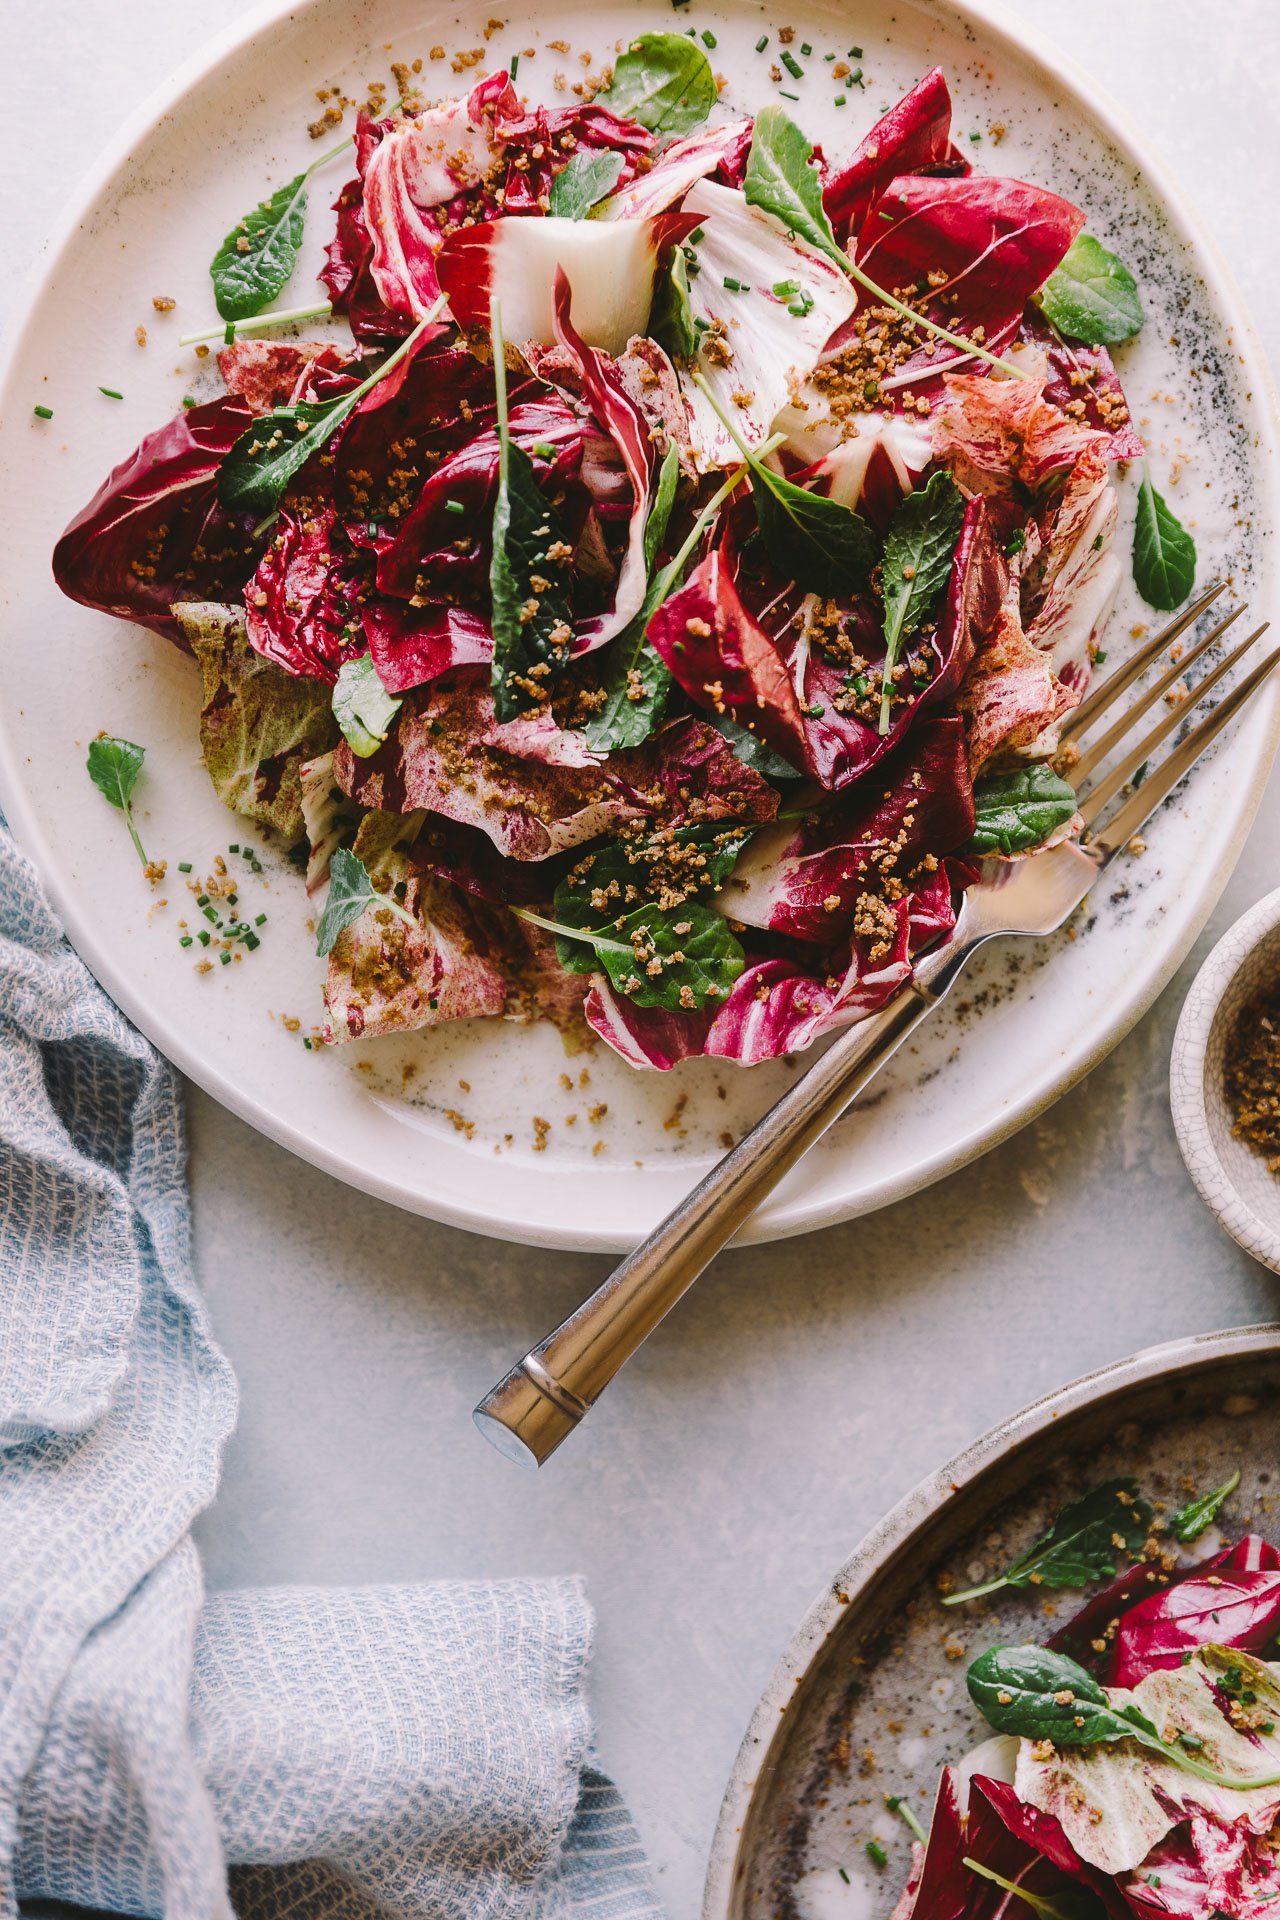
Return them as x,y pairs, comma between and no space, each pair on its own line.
1164,554
812,539
261,251
1015,811
781,179
532,626
752,750
671,319
1041,1695
265,458
114,766
583,183
663,82
1083,1540
918,550
351,893
1092,296
636,683
362,706
1189,1522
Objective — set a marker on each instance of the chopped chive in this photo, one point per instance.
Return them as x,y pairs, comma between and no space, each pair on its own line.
828,56
202,899
186,940
210,914
786,289
805,48
855,53
1099,658
698,233
784,95
454,506
762,43
734,286
372,529
791,64
252,942
1137,781
234,847
233,900
184,866
260,920
225,958
856,79
708,39
544,449
839,100
515,65
229,337
308,1042
189,400
111,393
877,1854
204,937
43,413
975,137
844,1876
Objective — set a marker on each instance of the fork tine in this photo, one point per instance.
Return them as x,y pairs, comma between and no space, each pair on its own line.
1123,678
1097,750
1109,786
1140,806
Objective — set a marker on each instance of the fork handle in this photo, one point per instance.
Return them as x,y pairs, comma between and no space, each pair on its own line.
542,1399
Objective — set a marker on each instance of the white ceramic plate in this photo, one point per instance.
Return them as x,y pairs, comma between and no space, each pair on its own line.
396,1118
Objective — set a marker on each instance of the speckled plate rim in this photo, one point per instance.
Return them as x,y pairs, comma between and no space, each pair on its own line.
1186,1083
770,1724
801,1215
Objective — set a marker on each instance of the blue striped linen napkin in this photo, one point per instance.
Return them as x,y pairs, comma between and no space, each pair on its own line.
330,1754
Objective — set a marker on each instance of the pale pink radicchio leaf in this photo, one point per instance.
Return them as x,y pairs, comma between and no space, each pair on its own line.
424,174
1209,1866
279,373
913,137
1075,576
995,433
684,163
385,978
1084,377
753,351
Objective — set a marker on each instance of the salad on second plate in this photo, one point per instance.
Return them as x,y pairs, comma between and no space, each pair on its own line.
675,583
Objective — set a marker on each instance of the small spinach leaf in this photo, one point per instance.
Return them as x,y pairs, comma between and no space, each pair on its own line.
114,766
1189,1522
362,706
1083,1540
260,252
1015,811
1164,554
918,551
636,683
663,82
1092,296
351,893
819,542
583,183
678,960
671,320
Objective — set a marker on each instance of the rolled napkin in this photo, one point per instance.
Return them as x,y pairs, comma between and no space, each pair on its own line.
348,1753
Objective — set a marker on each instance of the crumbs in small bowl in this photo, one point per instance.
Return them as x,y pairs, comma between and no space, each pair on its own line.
1253,1076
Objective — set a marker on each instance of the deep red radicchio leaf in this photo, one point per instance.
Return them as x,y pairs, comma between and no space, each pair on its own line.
996,240
805,881
1024,1845
441,551
433,405
913,137
412,646
424,174
154,532
1232,1599
302,607
784,688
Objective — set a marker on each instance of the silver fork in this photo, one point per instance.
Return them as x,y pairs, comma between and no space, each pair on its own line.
543,1398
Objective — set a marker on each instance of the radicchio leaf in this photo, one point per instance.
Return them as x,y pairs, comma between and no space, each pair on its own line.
257,724
154,531
274,373
913,137
382,977
302,605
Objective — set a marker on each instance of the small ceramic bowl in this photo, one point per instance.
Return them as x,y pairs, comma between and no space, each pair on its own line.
1233,1180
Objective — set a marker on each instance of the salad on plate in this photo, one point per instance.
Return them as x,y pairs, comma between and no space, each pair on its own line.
1134,1767
671,584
